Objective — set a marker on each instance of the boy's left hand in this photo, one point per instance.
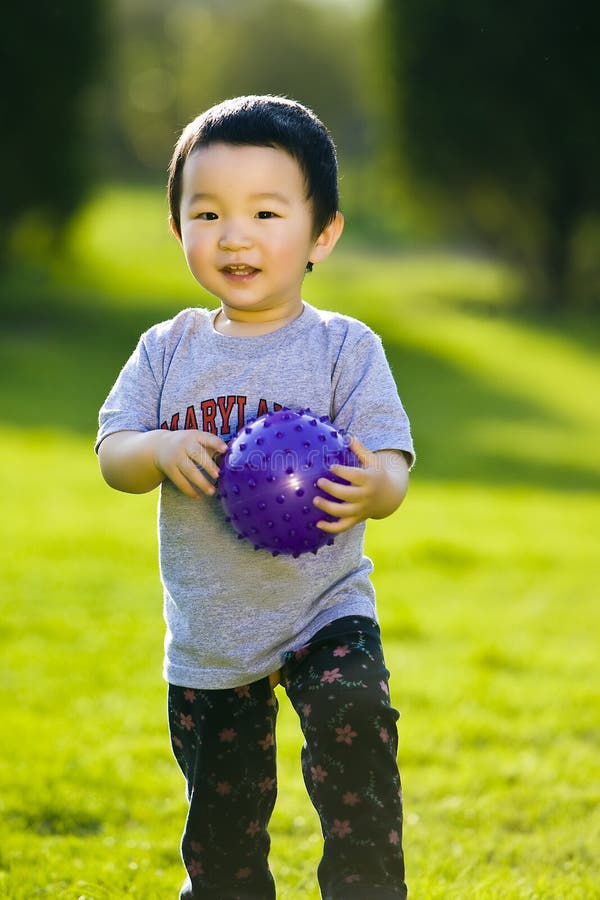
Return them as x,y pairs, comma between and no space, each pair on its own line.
374,491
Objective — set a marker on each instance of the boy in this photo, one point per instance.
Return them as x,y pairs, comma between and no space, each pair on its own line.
254,204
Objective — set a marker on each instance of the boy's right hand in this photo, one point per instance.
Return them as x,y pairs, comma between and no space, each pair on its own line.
138,461
186,458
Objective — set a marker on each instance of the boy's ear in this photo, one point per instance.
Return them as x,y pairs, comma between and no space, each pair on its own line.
173,227
327,240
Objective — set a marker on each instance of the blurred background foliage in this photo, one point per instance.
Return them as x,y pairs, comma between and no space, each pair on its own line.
495,107
470,125
48,62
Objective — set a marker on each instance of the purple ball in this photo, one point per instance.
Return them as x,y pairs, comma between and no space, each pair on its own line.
269,477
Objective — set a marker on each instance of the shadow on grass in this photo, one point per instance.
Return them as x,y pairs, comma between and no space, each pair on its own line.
62,350
57,821
446,404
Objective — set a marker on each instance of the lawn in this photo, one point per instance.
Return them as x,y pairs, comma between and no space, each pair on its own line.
487,581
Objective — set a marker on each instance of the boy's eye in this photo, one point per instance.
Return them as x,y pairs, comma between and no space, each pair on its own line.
207,216
266,214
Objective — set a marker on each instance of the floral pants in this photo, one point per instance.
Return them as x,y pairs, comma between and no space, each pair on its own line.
224,742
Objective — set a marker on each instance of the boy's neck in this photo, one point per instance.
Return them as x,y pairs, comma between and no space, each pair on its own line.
225,324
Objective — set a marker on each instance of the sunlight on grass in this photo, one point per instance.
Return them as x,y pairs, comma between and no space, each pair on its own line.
487,581
122,243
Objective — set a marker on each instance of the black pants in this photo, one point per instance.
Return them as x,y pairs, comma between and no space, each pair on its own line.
224,742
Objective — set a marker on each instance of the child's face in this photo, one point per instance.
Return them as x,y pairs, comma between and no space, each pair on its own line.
247,228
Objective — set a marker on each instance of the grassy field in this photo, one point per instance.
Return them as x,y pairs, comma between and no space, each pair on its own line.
487,578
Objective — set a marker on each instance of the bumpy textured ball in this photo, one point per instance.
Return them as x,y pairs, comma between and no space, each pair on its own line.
269,477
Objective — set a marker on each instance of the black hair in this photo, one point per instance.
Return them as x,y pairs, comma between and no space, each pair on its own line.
265,121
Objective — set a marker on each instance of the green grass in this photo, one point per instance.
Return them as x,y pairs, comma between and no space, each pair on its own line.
487,580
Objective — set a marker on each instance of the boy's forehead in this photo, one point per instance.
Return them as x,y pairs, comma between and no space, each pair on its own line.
267,169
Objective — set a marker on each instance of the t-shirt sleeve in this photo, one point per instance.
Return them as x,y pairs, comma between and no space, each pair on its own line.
133,402
366,403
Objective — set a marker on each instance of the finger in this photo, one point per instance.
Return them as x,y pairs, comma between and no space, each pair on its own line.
339,526
196,478
349,473
334,508
365,457
205,461
213,444
178,479
345,492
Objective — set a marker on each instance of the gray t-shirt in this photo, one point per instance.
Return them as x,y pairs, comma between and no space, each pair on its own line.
232,612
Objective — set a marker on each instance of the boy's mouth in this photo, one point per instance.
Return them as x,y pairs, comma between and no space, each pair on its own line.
240,270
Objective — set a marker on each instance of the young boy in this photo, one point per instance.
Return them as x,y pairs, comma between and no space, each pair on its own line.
254,204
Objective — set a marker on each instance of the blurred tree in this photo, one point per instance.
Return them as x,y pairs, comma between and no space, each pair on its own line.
496,104
171,61
49,57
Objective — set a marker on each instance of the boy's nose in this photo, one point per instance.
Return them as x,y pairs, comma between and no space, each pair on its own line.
234,237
